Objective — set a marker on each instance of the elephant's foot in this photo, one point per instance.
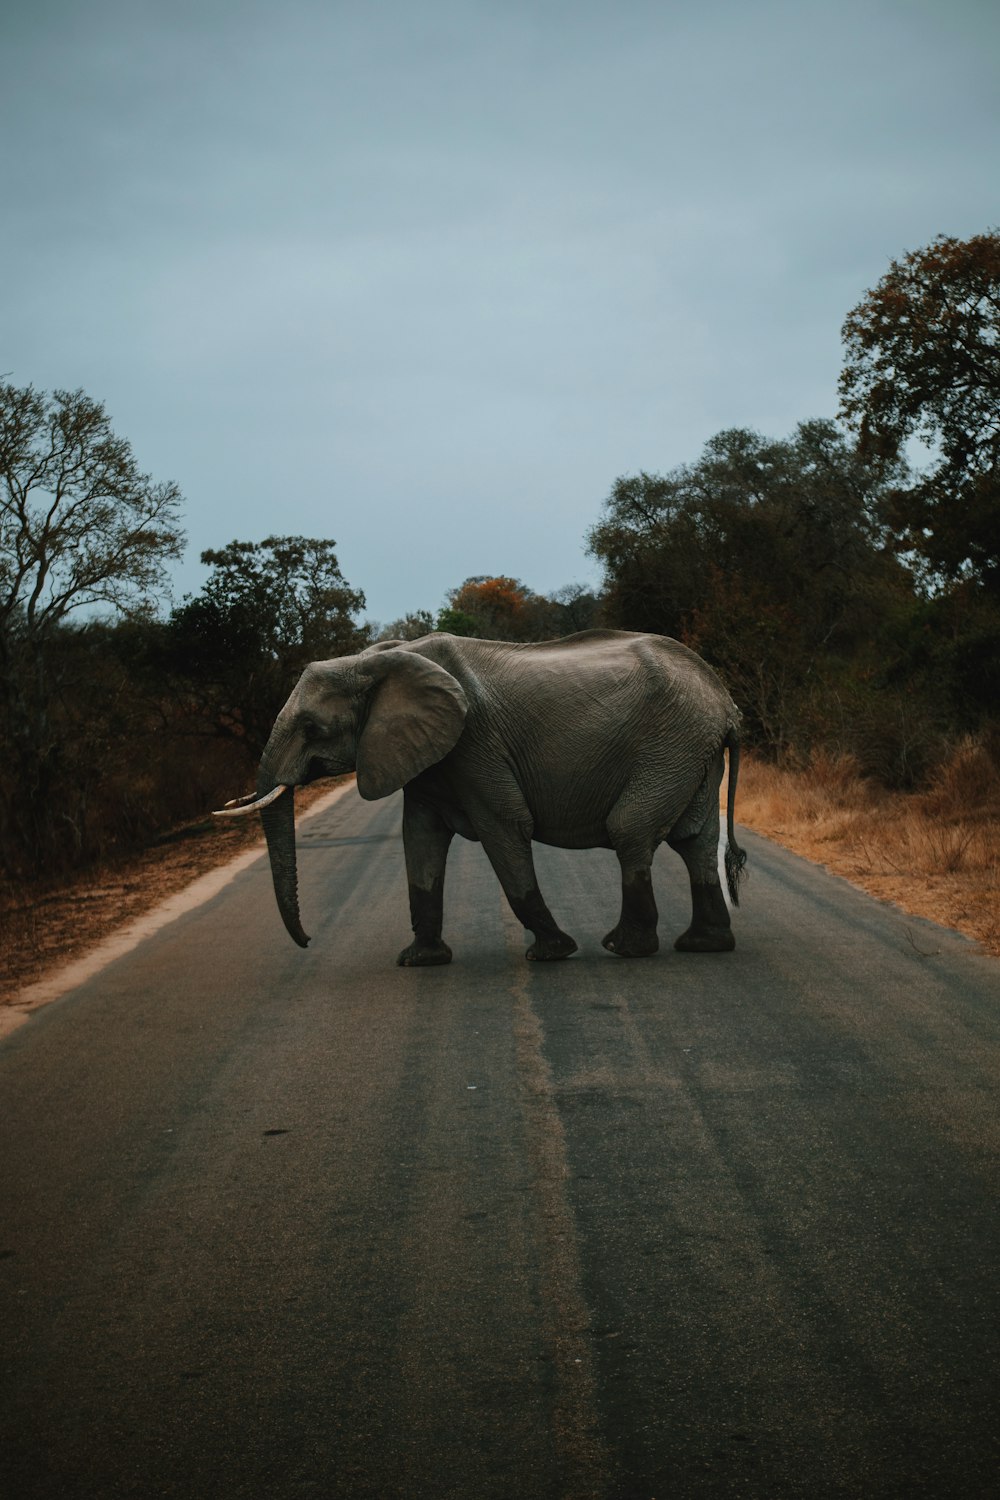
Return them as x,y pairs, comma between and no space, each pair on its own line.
706,940
560,945
631,942
710,931
635,934
423,953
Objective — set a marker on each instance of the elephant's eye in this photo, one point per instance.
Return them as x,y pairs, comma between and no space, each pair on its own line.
311,730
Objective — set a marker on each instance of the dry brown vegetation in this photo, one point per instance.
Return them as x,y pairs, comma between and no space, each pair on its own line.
935,853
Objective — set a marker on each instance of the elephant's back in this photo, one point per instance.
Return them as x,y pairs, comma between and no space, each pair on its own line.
622,674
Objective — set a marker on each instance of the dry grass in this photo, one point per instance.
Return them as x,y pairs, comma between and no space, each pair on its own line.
935,853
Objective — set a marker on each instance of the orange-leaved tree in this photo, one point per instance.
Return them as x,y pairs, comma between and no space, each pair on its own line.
499,609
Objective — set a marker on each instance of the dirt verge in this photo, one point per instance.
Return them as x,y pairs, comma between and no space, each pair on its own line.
45,928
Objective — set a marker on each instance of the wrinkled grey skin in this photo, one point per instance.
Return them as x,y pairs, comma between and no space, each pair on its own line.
602,740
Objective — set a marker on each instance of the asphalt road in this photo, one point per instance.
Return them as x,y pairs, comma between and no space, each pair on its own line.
282,1224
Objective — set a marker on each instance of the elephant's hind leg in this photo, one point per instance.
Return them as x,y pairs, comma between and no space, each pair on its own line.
426,840
695,837
635,935
711,930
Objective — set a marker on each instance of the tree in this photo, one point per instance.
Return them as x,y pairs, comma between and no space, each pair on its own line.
574,608
408,627
922,359
766,556
456,622
267,610
81,527
501,608
504,609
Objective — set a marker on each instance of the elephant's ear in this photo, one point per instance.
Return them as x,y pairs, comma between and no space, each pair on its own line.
415,716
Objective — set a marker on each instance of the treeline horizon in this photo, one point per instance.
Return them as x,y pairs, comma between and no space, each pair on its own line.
850,602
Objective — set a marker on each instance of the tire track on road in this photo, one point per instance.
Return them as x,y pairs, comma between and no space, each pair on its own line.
564,1312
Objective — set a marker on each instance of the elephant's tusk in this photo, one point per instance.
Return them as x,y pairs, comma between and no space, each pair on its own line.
240,806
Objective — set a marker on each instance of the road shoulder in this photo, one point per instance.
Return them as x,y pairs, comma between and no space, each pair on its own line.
80,960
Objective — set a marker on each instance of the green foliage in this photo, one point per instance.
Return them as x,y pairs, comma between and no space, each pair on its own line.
125,756
765,556
80,527
458,622
143,722
408,627
922,358
950,648
267,609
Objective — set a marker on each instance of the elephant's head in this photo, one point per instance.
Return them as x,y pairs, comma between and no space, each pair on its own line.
388,714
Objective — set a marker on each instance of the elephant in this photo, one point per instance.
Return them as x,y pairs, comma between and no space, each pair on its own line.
604,739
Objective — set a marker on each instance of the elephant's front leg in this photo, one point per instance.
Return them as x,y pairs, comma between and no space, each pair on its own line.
508,849
426,839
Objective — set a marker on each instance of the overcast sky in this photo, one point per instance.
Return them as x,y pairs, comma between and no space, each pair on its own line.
425,277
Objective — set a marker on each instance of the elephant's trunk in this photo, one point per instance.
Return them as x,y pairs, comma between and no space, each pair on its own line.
278,818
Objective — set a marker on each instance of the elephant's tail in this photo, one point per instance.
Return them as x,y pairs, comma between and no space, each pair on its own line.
735,856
